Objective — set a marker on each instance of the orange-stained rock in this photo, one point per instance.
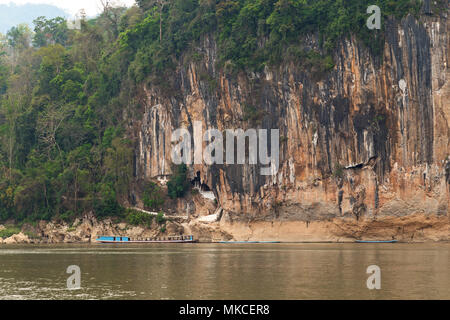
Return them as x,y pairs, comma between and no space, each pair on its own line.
364,145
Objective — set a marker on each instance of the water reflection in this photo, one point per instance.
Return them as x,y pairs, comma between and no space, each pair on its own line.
216,271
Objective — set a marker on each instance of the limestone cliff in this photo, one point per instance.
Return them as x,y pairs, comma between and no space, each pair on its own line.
364,147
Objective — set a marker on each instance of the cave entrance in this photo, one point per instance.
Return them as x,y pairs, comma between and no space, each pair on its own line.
198,184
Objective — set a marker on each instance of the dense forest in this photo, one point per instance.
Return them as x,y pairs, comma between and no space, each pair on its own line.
63,143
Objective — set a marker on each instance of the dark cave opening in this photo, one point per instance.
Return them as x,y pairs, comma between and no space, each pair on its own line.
197,183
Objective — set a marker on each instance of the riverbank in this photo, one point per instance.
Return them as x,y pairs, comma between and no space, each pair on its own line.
411,228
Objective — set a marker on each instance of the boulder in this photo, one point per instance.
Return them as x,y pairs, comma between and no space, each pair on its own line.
17,239
174,228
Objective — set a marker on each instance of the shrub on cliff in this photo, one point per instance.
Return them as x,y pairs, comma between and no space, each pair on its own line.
138,218
67,216
160,218
178,184
153,196
108,208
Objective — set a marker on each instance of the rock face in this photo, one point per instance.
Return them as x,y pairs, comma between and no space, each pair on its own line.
368,140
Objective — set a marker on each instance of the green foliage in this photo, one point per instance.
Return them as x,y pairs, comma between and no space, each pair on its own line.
283,23
50,31
67,216
9,231
178,184
118,164
107,205
153,196
160,218
7,194
251,33
138,218
19,37
3,76
62,149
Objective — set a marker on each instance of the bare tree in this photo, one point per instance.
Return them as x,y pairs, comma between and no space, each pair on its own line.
112,11
49,122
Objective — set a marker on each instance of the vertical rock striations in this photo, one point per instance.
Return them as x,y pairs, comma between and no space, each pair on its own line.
369,139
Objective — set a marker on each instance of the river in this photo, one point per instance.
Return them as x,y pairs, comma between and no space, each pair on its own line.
226,271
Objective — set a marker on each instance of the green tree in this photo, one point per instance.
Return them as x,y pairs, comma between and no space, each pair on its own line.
19,37
153,196
50,31
178,183
11,109
119,165
19,40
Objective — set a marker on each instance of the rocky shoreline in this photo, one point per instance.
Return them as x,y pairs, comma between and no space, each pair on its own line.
411,228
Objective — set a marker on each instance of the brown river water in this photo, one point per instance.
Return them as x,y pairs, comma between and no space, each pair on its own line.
226,271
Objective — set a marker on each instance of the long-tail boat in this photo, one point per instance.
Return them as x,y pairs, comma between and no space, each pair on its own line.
125,240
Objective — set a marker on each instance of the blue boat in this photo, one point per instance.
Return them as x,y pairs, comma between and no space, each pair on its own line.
376,241
127,240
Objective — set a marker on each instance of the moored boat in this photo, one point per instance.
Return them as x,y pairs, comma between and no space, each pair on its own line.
125,240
